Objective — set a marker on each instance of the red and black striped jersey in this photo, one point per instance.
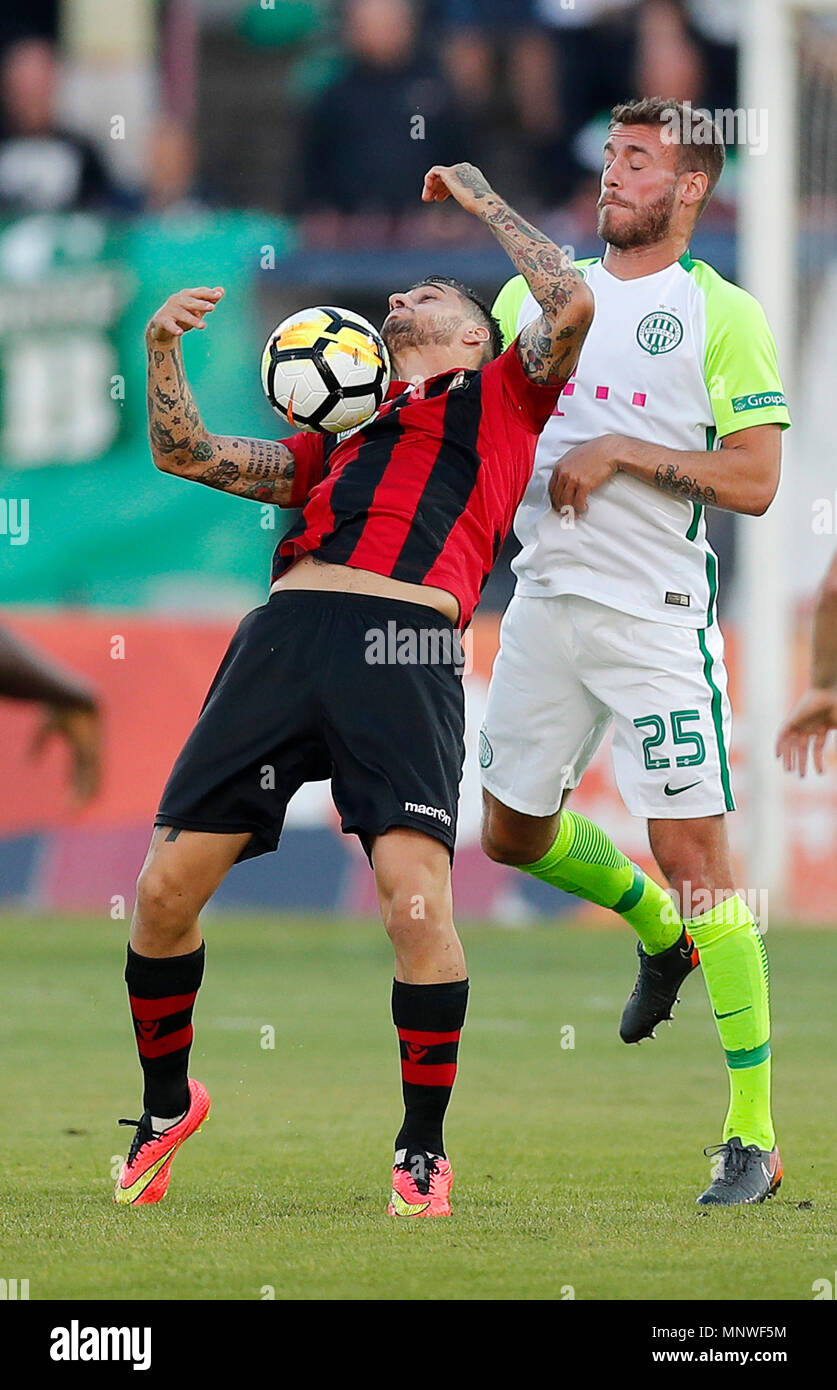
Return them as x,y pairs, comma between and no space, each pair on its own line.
427,490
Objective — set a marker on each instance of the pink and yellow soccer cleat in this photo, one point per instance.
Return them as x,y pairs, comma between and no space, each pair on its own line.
144,1176
421,1185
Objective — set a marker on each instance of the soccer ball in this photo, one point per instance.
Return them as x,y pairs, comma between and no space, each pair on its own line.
325,369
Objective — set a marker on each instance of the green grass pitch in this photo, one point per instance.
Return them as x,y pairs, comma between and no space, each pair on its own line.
577,1167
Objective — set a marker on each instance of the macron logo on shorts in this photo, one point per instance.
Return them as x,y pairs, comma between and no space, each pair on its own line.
437,812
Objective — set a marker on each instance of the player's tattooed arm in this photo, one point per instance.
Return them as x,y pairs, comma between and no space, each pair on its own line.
260,469
669,478
742,476
549,347
257,468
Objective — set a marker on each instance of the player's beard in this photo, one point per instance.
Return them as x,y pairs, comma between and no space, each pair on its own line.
408,331
649,224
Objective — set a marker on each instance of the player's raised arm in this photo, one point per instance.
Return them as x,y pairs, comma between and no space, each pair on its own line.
261,469
549,347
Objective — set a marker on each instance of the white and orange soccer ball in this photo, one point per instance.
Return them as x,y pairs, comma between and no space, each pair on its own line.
325,369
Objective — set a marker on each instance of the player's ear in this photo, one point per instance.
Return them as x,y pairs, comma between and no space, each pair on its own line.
693,190
475,334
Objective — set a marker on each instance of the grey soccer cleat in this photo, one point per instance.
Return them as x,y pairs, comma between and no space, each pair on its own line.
743,1174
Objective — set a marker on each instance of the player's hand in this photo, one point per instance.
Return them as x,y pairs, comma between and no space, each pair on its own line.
182,311
81,729
464,182
580,471
806,730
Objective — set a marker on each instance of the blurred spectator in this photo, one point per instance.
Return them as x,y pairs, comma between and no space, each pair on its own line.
42,167
717,27
172,159
490,36
376,130
40,19
605,49
668,56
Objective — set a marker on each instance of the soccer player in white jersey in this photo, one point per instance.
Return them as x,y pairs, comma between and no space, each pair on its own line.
676,405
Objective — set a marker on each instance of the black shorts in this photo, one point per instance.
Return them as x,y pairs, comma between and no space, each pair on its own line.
318,685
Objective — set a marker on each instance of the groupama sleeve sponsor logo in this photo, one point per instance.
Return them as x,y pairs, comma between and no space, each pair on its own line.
758,401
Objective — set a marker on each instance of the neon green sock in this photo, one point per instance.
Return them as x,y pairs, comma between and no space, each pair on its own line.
584,860
735,970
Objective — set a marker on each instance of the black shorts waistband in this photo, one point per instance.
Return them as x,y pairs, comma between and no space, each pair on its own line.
423,614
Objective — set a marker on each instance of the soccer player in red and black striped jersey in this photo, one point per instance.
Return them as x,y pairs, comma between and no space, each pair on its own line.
351,671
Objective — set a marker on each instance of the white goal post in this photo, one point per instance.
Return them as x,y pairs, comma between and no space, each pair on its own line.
767,258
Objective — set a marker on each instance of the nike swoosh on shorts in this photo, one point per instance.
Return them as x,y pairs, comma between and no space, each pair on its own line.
675,791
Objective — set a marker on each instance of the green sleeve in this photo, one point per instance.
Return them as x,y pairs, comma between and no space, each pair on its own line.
506,307
741,370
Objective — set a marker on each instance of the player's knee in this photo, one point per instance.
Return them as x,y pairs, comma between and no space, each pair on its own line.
497,846
507,844
687,858
410,917
689,875
164,909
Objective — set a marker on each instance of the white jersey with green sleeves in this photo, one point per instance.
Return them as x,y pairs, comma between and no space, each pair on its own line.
679,358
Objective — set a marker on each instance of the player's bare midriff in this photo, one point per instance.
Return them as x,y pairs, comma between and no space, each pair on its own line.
308,573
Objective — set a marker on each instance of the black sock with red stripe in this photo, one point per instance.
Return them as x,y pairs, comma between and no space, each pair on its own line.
162,994
429,1020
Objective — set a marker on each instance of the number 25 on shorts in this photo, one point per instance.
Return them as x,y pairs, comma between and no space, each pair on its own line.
681,736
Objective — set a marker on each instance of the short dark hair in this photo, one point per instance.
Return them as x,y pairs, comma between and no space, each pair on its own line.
704,151
494,346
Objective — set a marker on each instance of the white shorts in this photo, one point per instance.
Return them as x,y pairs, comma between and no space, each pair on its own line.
567,666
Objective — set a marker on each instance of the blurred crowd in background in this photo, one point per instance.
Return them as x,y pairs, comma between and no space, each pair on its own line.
322,116
331,110
277,147
318,119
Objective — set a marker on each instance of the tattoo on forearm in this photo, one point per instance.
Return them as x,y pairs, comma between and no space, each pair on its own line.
541,354
221,475
174,424
162,439
256,468
669,479
548,348
552,277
